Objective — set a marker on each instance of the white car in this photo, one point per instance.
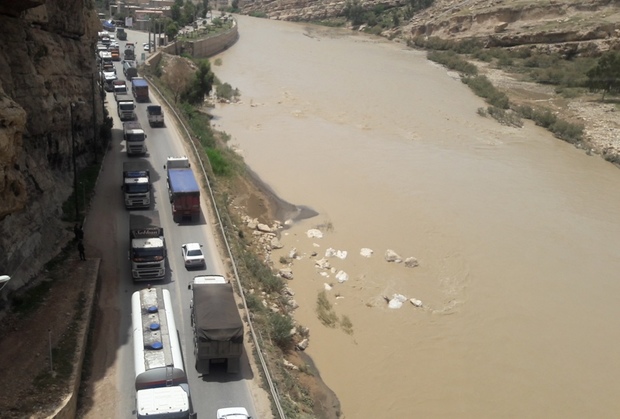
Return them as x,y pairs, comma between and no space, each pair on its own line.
147,47
233,413
193,256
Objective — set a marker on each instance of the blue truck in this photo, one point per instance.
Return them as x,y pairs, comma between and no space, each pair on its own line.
140,89
183,189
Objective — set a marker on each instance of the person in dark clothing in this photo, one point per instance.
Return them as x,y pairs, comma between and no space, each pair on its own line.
81,250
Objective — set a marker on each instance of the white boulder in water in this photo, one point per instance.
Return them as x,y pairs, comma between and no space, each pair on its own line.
397,301
366,252
313,232
342,276
415,302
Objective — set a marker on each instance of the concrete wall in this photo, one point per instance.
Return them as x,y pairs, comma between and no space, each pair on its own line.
206,47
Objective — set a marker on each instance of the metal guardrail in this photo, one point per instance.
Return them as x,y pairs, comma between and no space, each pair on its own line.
272,388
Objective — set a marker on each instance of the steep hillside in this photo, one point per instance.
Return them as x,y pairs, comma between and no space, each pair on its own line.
589,25
46,63
586,24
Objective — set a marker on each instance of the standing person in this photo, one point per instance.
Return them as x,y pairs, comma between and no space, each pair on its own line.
81,250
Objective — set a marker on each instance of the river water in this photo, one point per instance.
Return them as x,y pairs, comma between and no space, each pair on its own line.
517,234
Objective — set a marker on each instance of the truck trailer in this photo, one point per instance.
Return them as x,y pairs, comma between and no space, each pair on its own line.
135,138
218,328
140,89
147,247
162,391
136,184
183,189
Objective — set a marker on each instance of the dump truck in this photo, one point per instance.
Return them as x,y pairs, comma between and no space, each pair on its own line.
162,390
183,189
217,325
130,52
125,108
136,184
140,89
155,115
135,138
147,248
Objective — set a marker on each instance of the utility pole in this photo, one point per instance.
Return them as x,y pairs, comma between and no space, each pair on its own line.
75,178
95,125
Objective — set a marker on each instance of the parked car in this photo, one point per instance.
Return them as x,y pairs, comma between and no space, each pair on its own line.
193,256
147,46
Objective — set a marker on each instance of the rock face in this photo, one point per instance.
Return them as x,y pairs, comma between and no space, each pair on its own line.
505,23
306,11
588,26
47,61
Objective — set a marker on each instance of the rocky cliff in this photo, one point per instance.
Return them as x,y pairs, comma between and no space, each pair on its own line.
46,63
584,26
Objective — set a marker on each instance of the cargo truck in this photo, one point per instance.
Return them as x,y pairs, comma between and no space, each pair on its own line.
140,89
147,248
217,325
183,190
135,138
136,184
155,115
125,108
120,90
162,390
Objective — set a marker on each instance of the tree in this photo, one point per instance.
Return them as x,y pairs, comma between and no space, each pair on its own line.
172,30
202,83
175,12
606,75
189,12
178,77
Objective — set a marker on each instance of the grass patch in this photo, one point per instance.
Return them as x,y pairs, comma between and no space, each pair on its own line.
31,299
63,354
346,324
325,311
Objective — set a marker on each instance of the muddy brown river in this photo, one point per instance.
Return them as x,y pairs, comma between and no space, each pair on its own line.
517,234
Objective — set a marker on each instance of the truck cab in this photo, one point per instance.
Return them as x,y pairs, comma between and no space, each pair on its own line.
125,110
120,90
147,251
136,184
134,138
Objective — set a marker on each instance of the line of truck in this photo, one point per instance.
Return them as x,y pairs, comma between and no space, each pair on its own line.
161,384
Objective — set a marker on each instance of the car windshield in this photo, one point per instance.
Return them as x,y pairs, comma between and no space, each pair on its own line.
194,252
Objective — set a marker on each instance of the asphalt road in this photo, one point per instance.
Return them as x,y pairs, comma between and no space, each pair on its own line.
218,389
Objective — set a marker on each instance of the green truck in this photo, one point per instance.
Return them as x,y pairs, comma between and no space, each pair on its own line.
121,35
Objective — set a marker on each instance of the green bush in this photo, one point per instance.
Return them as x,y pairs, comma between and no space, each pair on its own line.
254,303
505,117
281,327
451,60
567,131
483,87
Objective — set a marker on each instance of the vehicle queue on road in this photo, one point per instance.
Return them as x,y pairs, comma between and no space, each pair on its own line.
162,389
